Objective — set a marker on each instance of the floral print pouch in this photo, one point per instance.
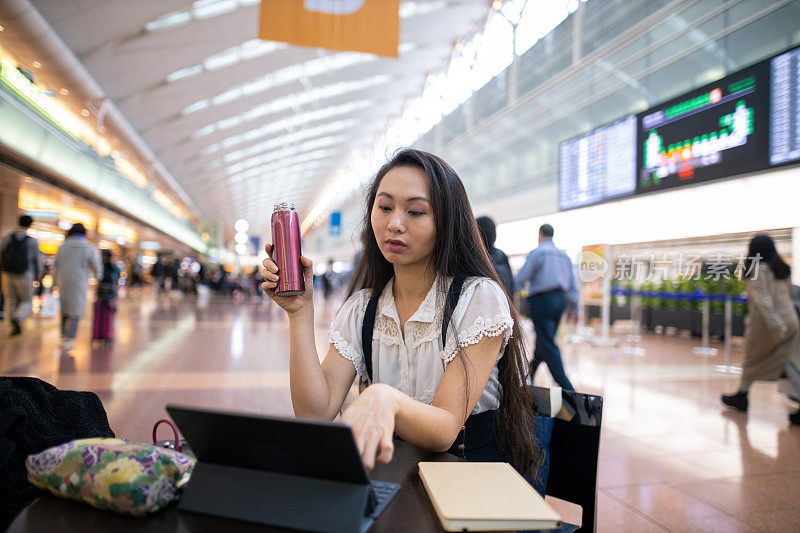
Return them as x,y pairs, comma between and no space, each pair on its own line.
127,477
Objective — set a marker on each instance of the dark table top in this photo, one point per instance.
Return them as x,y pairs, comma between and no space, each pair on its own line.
410,510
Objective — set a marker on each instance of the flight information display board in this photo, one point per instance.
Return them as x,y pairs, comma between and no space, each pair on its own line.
716,131
784,116
598,166
745,122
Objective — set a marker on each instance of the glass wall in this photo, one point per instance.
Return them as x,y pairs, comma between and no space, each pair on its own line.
608,59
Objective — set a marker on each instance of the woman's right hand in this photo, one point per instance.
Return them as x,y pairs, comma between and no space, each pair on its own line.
291,304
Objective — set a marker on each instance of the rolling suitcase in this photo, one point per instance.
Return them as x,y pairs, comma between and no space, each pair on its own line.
103,327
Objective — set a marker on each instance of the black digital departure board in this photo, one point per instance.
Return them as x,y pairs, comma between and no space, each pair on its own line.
745,122
716,131
784,115
598,166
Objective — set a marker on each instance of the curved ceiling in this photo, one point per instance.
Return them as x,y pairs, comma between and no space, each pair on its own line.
242,123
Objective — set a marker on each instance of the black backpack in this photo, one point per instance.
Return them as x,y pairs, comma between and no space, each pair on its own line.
14,257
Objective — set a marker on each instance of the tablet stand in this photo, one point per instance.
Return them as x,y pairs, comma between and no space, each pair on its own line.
283,500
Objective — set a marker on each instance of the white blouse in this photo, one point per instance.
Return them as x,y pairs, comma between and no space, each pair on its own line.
416,363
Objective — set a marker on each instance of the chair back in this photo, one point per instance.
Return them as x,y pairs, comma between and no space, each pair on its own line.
574,449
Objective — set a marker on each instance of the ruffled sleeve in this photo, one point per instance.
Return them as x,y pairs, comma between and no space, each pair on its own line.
482,311
345,331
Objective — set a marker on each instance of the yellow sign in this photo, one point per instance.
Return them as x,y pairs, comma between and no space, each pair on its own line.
371,26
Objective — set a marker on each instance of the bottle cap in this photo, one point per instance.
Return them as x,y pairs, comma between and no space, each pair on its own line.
283,206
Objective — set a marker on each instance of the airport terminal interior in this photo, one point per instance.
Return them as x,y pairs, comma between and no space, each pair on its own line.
156,149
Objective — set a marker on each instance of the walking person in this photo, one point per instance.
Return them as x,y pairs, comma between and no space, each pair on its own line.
75,258
21,263
159,273
105,304
553,289
498,258
327,280
772,329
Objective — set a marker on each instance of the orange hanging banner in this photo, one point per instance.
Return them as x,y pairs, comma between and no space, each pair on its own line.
371,26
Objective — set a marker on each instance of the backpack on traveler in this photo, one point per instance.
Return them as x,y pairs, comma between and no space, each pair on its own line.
14,257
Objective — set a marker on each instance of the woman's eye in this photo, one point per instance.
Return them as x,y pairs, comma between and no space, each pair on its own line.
416,213
384,208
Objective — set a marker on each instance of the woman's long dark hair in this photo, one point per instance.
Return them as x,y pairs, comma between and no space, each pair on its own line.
762,250
458,250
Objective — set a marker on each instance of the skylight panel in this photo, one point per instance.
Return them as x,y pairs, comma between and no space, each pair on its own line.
289,138
406,47
200,10
228,57
316,155
256,86
169,21
211,128
538,19
227,96
204,9
495,52
197,106
257,48
310,68
292,100
285,153
214,148
248,50
184,73
229,122
410,9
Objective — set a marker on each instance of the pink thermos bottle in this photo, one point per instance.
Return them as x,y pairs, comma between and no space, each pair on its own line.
286,249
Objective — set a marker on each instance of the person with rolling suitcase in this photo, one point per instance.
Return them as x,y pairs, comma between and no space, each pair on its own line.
105,305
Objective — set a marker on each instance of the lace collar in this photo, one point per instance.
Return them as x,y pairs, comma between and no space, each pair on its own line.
422,326
427,310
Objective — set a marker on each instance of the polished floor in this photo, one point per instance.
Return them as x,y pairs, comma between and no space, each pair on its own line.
671,458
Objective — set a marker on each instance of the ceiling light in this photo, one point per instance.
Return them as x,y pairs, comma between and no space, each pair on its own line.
168,21
292,101
184,73
36,64
241,226
406,47
410,9
288,139
228,57
307,69
276,155
289,124
204,9
497,5
65,92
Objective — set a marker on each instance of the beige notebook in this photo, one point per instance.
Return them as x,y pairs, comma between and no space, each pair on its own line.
485,497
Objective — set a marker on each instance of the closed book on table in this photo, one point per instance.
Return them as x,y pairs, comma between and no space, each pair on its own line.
485,497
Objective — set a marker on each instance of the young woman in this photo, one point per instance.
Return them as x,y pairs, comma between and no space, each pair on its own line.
419,236
772,334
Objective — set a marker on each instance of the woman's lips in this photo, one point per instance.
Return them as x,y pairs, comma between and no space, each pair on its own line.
395,245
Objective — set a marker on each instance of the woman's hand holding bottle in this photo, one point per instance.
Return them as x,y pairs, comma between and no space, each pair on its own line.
291,304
